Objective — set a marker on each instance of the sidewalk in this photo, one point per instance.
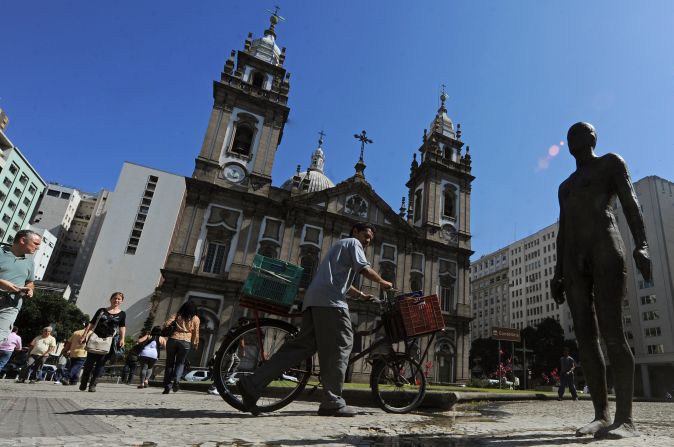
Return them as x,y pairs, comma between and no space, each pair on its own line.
44,414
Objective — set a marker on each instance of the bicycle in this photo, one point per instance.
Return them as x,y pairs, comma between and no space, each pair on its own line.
397,380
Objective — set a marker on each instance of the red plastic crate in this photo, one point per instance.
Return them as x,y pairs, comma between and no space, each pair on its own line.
421,315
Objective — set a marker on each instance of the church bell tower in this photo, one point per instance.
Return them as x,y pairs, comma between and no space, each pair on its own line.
440,183
250,109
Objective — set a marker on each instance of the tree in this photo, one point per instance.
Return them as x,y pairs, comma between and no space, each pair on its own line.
484,355
45,309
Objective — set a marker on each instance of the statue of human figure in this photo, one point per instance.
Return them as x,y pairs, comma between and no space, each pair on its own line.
591,272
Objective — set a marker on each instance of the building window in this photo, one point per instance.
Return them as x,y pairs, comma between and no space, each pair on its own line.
141,215
388,252
387,270
6,218
648,299
14,168
653,331
656,349
215,257
23,179
32,189
272,229
257,79
651,315
268,249
448,274
449,201
26,200
417,204
11,205
242,144
309,262
418,262
312,235
7,182
3,196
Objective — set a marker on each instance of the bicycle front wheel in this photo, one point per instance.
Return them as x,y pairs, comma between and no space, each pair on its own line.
398,383
246,349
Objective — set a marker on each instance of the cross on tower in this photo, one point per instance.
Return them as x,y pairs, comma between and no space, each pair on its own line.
321,139
275,13
362,137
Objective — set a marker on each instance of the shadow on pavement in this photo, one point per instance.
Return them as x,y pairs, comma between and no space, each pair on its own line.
173,413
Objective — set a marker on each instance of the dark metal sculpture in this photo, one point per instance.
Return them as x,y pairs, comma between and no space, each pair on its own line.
591,272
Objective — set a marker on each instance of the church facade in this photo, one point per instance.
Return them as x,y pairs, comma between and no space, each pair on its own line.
232,211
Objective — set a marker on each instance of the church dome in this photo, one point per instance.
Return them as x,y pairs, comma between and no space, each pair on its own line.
265,48
313,179
442,124
317,181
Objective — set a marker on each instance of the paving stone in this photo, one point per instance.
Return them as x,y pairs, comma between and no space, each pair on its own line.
120,415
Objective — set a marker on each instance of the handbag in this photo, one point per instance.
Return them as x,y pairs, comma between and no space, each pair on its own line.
96,344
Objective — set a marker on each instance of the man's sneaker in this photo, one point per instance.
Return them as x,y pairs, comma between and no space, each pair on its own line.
247,397
57,382
31,381
213,391
343,412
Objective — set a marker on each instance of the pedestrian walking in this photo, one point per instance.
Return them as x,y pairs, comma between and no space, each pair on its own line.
148,353
39,350
7,348
182,333
106,322
16,277
566,367
130,365
76,354
326,325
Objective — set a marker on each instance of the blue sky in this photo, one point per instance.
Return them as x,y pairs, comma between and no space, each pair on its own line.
88,85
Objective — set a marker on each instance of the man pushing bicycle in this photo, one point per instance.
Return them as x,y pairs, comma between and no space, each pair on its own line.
326,325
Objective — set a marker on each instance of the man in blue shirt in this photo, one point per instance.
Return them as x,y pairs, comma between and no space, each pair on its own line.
16,277
326,325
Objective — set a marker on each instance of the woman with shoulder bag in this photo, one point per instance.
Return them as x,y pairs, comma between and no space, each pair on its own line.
148,354
98,336
182,330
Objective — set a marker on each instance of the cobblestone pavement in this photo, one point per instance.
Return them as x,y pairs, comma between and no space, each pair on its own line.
45,414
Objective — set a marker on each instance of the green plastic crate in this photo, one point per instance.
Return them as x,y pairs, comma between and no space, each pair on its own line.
273,281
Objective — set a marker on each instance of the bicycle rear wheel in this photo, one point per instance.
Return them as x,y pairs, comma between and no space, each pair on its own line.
398,384
246,349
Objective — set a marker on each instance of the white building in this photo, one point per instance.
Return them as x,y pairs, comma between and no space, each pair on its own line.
133,242
43,255
529,265
648,313
20,189
489,293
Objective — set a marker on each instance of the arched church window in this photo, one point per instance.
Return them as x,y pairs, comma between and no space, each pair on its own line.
243,139
417,204
387,270
416,281
309,262
257,79
448,273
216,255
268,249
449,201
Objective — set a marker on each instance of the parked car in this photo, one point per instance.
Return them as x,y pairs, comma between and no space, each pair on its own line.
494,383
197,375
